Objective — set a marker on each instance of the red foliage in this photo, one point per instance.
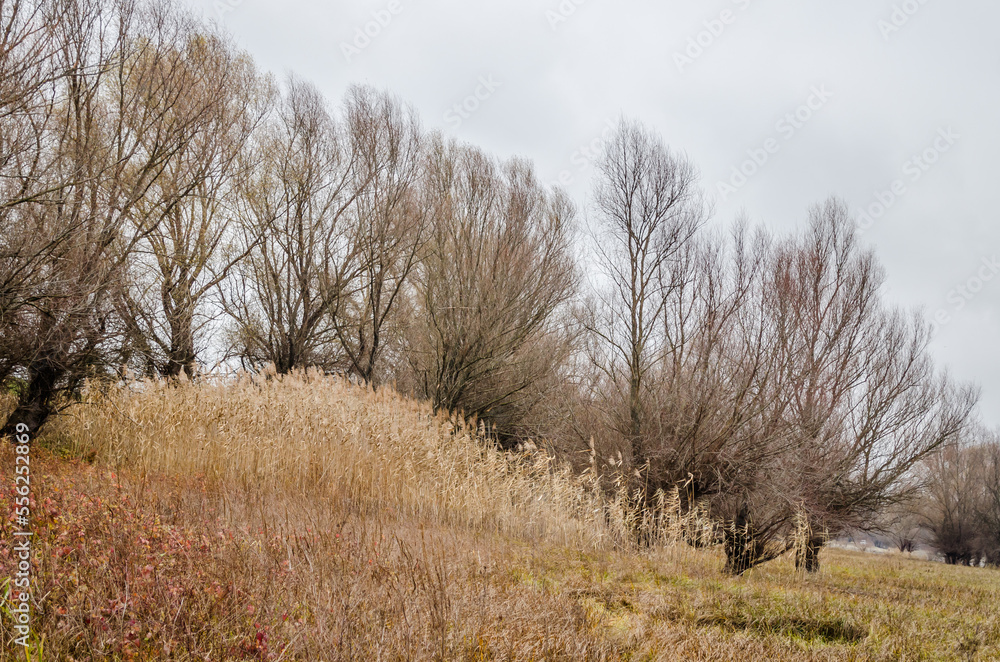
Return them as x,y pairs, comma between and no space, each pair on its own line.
114,578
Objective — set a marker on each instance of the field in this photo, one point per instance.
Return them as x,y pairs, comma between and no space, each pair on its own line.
307,519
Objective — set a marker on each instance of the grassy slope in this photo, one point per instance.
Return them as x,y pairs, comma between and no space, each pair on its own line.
306,520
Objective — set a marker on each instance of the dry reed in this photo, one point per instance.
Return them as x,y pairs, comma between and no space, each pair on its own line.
309,434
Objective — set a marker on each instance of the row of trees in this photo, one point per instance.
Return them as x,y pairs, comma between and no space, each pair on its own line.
164,205
766,375
958,510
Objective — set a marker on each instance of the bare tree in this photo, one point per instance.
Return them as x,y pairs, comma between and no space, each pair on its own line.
115,123
391,223
864,404
903,526
988,511
27,80
722,398
868,406
784,387
302,253
648,207
184,256
825,302
495,274
954,499
860,404
959,502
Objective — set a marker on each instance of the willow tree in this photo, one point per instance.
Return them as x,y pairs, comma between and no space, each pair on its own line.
647,207
187,252
296,228
495,276
113,125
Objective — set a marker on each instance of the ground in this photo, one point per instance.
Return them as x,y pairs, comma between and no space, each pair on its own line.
137,564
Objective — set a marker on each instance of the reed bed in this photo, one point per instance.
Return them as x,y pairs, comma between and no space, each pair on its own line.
309,434
304,518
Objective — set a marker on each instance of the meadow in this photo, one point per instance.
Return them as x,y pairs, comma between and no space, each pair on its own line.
304,518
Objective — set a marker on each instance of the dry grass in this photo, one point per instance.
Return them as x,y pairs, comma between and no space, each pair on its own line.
306,519
314,435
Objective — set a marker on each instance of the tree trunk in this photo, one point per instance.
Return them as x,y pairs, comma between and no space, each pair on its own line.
182,356
35,404
635,424
807,556
739,554
741,546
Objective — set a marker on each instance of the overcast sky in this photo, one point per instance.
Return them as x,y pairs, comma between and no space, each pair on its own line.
892,105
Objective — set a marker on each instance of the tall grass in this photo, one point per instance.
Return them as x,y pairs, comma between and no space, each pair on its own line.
309,434
303,518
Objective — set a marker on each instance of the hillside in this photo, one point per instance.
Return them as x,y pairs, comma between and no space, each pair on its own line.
303,518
